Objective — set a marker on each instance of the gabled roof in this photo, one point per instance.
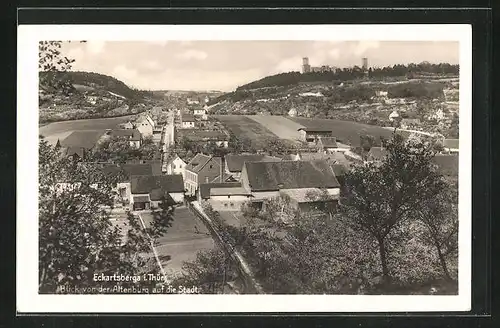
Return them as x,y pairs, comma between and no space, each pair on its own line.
173,158
198,162
144,184
377,153
339,169
187,117
130,134
451,143
447,164
83,138
71,151
137,169
229,191
206,187
263,176
234,163
329,142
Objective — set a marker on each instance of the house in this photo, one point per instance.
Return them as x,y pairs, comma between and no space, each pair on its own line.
133,136
234,163
79,143
145,125
227,196
127,125
175,165
394,116
202,169
187,121
200,112
296,179
310,135
447,165
191,101
381,94
203,136
376,154
292,112
147,191
451,145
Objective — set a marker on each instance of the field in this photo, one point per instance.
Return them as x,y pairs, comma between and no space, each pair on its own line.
183,240
243,126
345,131
281,126
60,130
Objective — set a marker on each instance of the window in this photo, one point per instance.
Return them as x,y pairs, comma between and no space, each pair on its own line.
232,205
228,196
225,204
174,166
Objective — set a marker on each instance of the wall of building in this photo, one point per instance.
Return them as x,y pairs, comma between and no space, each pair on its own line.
145,129
187,125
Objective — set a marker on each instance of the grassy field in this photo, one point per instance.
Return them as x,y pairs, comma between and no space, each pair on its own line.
183,240
243,126
281,126
345,131
60,130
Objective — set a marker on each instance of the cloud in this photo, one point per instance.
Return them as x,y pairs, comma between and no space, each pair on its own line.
193,54
334,53
150,64
363,46
186,43
160,43
95,47
124,73
289,65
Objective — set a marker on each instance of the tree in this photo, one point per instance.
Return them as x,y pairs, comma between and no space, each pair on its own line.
52,65
380,197
77,239
275,146
208,272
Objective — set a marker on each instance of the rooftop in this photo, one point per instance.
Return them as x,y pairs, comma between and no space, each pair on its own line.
316,130
206,187
235,162
229,191
130,134
186,117
264,176
146,183
83,138
329,142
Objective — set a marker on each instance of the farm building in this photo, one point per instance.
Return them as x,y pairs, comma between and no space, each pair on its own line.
297,179
147,191
228,196
312,134
132,135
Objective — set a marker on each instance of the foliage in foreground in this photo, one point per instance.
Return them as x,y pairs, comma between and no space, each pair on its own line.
77,239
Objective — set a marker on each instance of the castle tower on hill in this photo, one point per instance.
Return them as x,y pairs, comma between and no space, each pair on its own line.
306,68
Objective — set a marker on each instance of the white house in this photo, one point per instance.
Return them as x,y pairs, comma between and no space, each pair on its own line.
439,115
145,125
192,101
201,112
188,121
292,112
175,165
394,116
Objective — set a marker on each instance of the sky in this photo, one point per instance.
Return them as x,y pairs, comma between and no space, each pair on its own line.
225,65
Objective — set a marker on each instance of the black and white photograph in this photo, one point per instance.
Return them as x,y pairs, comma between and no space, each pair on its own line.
240,172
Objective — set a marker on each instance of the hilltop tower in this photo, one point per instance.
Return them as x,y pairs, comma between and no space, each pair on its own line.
306,68
364,63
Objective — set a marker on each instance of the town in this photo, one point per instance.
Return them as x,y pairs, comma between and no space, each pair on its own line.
224,168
